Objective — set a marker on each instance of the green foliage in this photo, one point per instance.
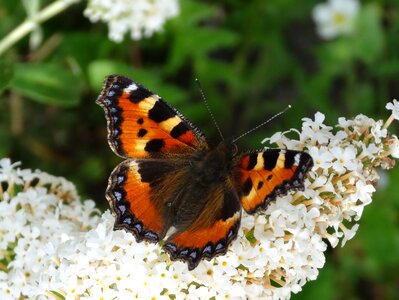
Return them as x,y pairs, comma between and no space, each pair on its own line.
368,43
47,83
6,73
253,59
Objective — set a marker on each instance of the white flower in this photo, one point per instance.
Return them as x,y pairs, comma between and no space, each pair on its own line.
345,159
348,233
394,147
394,106
141,17
322,157
336,17
315,132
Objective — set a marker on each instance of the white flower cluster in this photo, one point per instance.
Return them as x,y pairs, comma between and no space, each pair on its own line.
343,178
336,17
275,254
38,212
141,17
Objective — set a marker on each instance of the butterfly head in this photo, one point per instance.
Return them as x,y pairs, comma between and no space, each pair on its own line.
227,148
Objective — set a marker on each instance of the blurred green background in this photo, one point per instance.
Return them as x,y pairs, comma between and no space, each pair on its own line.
252,58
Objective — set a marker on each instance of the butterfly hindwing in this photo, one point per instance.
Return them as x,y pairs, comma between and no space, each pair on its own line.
211,232
271,173
141,124
138,192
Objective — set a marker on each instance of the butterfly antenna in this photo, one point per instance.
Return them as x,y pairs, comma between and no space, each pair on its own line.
264,123
208,108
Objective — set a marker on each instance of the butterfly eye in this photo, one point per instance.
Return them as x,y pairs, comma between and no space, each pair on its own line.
234,149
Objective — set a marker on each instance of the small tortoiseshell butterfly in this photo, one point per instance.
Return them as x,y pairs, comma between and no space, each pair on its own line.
173,186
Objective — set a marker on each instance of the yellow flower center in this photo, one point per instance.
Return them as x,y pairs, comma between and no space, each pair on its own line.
339,18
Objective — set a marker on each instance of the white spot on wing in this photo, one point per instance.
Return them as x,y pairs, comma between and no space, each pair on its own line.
131,88
297,159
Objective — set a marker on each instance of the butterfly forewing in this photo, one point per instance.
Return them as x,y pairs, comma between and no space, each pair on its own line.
141,124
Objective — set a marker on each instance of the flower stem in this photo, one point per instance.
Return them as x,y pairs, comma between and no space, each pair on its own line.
31,23
389,121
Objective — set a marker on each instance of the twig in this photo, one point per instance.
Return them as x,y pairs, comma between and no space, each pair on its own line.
30,24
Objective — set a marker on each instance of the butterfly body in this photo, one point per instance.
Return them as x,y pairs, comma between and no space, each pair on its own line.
172,186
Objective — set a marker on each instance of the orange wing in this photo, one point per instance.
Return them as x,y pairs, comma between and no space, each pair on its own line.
130,199
141,124
271,173
138,193
211,232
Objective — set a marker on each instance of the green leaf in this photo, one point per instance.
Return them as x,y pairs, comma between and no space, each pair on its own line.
365,93
57,295
205,40
214,71
379,232
6,73
192,39
388,68
335,56
368,40
198,43
192,12
47,84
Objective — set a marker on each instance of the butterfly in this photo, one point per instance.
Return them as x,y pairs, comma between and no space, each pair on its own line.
173,188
